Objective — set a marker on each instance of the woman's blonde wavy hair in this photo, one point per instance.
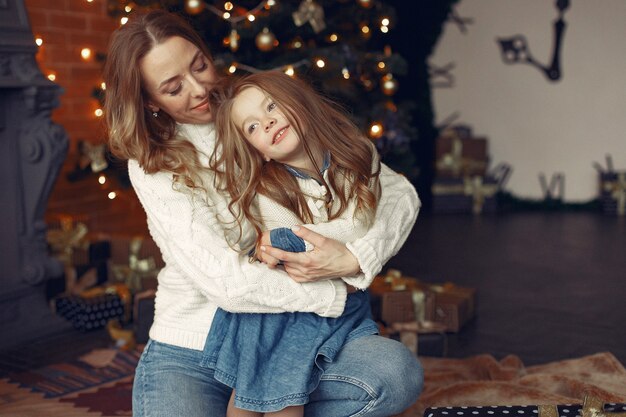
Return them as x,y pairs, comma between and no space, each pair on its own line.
322,127
133,132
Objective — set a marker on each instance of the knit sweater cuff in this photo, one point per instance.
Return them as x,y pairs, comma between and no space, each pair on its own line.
369,262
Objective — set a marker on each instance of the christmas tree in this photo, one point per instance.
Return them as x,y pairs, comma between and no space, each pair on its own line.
341,46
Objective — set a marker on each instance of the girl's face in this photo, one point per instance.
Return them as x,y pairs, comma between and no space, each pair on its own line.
178,78
267,129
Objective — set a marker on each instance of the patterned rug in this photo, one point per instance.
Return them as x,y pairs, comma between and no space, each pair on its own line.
98,384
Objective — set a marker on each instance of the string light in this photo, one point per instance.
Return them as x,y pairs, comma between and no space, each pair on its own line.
103,85
98,112
124,20
333,37
320,63
85,53
228,6
376,130
102,179
112,195
385,21
52,76
226,16
290,71
345,73
381,65
365,29
39,41
128,8
232,68
384,29
251,18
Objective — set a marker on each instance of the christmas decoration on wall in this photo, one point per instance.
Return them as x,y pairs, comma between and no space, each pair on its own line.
341,47
515,49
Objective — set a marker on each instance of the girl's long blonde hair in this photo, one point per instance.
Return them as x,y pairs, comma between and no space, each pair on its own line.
133,132
322,127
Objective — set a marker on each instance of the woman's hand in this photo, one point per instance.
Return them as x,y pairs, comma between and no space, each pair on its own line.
329,258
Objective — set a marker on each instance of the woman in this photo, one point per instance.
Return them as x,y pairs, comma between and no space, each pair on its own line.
158,75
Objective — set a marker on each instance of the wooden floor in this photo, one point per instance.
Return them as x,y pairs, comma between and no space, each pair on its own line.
550,285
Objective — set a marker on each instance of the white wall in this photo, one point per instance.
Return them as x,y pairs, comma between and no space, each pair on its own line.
534,124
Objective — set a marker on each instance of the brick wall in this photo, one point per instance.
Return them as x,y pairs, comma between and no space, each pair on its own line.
66,27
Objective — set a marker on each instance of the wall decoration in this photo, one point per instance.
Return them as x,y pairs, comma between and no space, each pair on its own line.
515,49
441,77
461,22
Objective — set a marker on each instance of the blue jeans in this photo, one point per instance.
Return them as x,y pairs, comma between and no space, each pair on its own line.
371,376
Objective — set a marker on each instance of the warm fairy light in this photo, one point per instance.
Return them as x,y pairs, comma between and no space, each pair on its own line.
251,17
376,130
39,41
52,77
112,195
385,21
226,15
103,85
270,3
232,69
320,63
89,1
124,20
365,29
381,65
128,8
102,179
297,44
228,6
333,37
290,71
98,112
345,73
85,53
384,29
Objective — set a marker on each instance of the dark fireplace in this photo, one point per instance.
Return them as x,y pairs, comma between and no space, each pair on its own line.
32,150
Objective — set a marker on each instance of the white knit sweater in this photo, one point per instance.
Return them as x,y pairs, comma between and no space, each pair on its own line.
202,272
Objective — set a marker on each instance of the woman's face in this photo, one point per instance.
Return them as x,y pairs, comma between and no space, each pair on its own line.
178,77
267,128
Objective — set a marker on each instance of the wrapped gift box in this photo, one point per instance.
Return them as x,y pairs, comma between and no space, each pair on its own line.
458,154
399,299
613,192
90,313
465,195
591,407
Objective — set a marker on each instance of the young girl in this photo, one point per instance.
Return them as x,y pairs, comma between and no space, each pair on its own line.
287,156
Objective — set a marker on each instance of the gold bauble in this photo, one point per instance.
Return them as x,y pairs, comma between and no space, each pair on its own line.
265,40
389,85
366,3
194,7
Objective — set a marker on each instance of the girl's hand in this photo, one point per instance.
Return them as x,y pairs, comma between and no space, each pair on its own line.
329,258
264,256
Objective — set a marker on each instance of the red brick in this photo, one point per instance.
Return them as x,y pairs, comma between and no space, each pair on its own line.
87,73
70,22
62,54
95,41
46,4
104,24
38,19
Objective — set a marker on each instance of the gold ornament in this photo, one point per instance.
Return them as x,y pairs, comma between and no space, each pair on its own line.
389,85
310,12
366,3
265,40
194,7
